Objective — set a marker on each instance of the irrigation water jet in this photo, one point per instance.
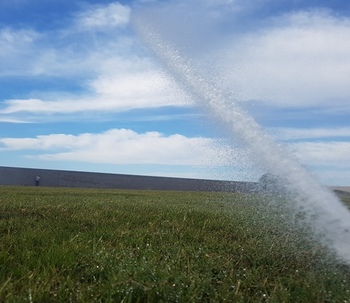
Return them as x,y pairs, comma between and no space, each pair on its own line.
327,216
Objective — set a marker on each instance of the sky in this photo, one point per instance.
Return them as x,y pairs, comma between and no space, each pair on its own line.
81,90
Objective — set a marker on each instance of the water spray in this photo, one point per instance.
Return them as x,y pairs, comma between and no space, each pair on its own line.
324,212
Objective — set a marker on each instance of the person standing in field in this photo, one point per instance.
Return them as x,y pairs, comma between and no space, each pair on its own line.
37,179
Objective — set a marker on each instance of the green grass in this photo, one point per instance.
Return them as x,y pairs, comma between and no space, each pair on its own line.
89,245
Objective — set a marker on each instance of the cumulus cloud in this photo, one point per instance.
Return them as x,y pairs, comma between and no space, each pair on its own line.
29,53
103,17
300,59
325,151
124,146
11,120
143,88
77,48
17,46
323,154
285,133
119,92
329,161
10,39
112,72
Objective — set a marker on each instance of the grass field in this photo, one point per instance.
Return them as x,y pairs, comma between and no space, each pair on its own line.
88,245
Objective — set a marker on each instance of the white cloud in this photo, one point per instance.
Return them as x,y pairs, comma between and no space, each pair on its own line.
26,52
10,38
114,76
140,89
309,133
74,50
118,92
16,49
12,120
323,154
316,149
124,146
300,59
327,161
104,17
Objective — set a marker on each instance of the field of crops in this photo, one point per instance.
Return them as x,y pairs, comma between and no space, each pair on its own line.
88,245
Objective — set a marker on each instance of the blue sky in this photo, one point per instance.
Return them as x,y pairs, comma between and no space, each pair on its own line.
80,90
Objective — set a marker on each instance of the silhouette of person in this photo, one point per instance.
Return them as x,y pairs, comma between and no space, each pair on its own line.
37,179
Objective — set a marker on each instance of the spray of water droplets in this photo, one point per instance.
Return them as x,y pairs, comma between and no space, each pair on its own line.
324,212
